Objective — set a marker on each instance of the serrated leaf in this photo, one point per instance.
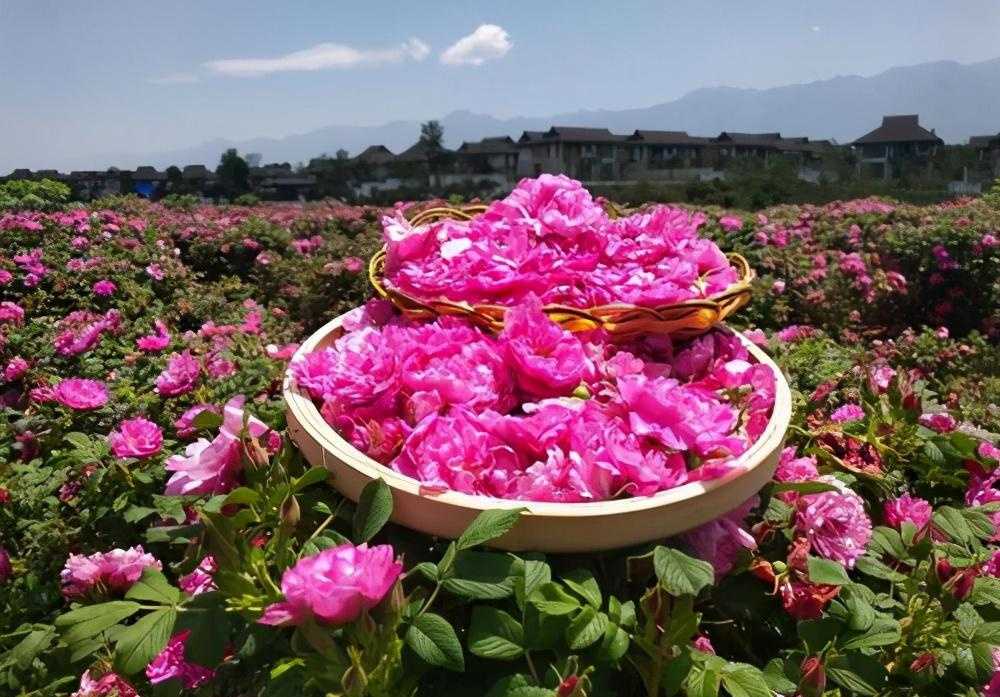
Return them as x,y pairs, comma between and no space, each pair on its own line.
860,674
373,511
535,574
586,628
883,631
742,680
433,639
951,521
138,644
827,572
803,487
489,525
482,576
154,587
26,650
680,574
206,420
702,682
583,583
774,676
314,475
495,634
551,599
87,622
877,569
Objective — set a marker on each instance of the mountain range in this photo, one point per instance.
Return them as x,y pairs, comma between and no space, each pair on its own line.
958,100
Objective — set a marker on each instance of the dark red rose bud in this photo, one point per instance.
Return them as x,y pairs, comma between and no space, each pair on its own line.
813,682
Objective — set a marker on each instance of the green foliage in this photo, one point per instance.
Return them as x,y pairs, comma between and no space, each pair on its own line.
43,195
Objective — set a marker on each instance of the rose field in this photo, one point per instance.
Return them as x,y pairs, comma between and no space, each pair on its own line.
162,534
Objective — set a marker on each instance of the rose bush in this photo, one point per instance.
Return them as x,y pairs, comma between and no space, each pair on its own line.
152,511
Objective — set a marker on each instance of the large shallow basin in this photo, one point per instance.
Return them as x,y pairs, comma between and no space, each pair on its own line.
545,527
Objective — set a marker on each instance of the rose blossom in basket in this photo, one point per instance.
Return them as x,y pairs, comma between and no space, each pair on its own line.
335,586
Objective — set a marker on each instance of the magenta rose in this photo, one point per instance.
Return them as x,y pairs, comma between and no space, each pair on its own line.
335,586
170,664
180,376
81,394
547,360
139,438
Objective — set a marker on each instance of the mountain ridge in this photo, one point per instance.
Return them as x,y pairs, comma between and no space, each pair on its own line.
843,108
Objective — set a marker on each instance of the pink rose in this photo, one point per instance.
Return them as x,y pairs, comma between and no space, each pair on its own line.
730,223
139,438
213,467
335,586
108,685
108,572
6,570
104,288
835,523
847,413
157,341
81,394
547,360
15,369
184,425
942,422
180,376
907,509
170,664
200,580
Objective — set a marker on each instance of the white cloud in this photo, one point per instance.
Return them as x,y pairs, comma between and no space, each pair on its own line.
175,79
487,42
326,56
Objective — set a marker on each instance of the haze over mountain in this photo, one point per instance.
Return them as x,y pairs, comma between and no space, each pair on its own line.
958,100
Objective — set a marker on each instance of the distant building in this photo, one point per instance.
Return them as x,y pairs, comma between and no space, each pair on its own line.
589,154
147,181
660,150
987,152
489,156
899,138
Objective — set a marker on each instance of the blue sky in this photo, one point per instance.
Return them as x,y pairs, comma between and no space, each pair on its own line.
107,76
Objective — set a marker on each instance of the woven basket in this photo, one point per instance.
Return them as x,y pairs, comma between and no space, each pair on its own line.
683,320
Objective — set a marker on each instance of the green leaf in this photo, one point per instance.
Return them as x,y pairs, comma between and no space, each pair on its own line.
774,676
859,608
951,521
586,628
803,487
827,572
583,583
154,587
373,511
877,569
241,496
551,599
433,639
495,634
680,574
87,622
314,475
986,591
517,686
883,631
210,627
482,576
742,680
489,525
535,573
988,632
207,420
26,650
818,633
860,674
138,644
702,682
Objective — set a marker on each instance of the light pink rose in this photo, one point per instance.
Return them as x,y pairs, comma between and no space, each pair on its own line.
111,572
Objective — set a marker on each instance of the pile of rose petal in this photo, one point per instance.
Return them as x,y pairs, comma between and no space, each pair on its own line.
551,239
537,413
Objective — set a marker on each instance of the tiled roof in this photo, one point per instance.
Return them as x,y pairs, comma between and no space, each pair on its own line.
904,128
